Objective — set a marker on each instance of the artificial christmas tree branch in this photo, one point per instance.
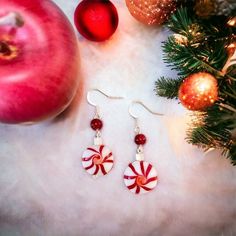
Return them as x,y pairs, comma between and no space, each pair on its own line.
167,87
199,45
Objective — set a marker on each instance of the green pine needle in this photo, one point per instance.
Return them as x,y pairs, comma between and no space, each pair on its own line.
232,154
166,87
187,60
180,22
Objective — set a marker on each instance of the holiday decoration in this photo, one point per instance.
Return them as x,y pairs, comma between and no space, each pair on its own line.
207,8
232,22
151,12
231,50
198,91
38,60
97,160
203,53
140,177
96,20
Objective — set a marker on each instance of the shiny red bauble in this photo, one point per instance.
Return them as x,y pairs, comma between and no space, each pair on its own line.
96,20
38,61
198,91
140,139
96,124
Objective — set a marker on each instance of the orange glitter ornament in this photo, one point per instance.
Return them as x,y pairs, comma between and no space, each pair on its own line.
151,12
198,91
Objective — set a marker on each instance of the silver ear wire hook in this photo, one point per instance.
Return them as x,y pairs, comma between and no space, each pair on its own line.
139,151
137,129
143,105
94,104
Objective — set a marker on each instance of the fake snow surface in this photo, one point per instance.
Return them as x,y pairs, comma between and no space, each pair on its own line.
45,191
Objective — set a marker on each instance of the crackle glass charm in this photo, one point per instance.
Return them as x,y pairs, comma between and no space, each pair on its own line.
140,177
97,160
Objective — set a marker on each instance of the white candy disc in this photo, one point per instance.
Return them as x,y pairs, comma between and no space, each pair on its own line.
140,177
97,160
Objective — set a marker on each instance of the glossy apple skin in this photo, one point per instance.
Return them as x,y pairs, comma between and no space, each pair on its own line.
41,81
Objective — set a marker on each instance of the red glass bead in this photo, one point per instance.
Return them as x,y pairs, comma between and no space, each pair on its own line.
96,124
140,139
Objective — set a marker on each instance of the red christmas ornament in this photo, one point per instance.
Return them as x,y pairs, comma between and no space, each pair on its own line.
96,20
198,91
151,12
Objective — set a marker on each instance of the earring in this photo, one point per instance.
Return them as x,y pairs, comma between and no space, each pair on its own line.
97,159
140,176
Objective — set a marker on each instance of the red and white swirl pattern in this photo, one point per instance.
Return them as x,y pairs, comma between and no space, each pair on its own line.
97,160
140,177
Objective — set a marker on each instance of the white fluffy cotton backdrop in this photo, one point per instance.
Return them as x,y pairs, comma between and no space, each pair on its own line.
45,191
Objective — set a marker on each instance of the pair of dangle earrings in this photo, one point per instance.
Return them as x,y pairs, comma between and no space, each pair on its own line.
140,176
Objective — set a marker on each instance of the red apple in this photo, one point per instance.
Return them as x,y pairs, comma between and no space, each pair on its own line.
38,61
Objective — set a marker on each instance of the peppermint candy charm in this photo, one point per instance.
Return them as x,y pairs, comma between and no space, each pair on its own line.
97,160
140,177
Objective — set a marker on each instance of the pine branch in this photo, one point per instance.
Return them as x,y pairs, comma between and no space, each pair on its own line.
167,87
187,60
202,46
201,31
199,45
206,137
207,130
180,22
213,129
232,154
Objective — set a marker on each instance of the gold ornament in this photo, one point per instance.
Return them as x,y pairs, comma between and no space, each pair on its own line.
204,8
151,12
180,39
198,91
